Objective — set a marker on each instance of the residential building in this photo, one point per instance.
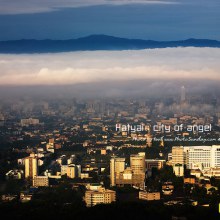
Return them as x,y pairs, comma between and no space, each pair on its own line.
154,163
149,196
137,163
117,165
100,196
31,167
178,156
40,181
197,157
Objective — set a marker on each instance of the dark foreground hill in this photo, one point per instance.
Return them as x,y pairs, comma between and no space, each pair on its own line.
127,211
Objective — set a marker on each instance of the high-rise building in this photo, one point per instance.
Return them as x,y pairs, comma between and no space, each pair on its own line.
117,165
178,155
203,157
215,155
128,177
100,196
197,157
137,163
133,175
73,171
31,167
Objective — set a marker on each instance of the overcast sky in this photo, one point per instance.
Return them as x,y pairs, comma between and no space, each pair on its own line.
65,19
101,66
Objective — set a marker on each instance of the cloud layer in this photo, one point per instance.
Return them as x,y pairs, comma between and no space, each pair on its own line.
98,66
37,6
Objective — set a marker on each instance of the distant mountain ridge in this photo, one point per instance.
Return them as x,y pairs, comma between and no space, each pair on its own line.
96,42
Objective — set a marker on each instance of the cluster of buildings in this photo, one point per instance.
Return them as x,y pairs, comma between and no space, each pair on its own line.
90,125
203,158
133,175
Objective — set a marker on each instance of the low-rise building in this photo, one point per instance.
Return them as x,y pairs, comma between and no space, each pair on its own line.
9,198
212,172
84,175
149,196
41,181
15,174
100,196
25,197
197,173
154,163
93,186
189,180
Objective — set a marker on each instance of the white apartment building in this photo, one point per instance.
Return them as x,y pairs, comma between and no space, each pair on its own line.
198,157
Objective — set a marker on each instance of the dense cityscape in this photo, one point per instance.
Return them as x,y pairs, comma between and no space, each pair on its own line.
74,156
110,109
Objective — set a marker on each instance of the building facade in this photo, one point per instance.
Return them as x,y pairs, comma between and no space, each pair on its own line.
149,196
137,163
117,165
154,163
178,155
101,196
178,169
133,175
41,181
197,157
31,167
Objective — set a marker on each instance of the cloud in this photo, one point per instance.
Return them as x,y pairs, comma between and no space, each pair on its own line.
38,6
99,66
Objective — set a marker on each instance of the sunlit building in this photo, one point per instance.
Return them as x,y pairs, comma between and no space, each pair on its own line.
100,196
178,155
133,175
31,167
197,157
117,165
40,181
137,163
178,169
149,196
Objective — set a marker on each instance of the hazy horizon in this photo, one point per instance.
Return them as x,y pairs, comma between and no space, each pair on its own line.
153,89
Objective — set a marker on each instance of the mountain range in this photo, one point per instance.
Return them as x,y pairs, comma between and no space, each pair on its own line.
96,42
